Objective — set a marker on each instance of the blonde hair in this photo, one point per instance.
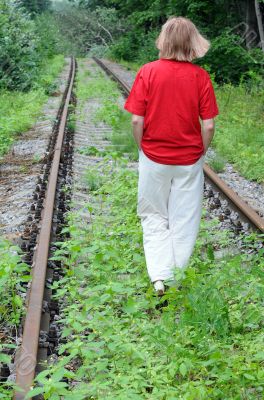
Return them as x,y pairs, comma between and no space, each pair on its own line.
179,39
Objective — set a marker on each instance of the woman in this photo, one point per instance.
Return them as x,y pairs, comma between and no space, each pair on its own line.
167,100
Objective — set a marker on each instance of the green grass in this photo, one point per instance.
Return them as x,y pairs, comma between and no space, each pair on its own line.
109,110
217,163
133,66
120,122
19,111
239,133
206,343
98,85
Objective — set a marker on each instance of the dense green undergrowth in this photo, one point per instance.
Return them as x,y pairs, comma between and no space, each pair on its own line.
19,110
202,341
13,272
120,341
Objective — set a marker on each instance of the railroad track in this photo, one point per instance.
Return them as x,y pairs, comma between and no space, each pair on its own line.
36,321
235,203
63,167
59,162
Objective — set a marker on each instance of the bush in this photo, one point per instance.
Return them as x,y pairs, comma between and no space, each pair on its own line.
135,45
49,37
98,50
25,44
18,44
147,50
126,47
229,60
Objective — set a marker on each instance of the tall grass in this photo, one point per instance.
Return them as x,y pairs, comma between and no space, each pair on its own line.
19,110
239,133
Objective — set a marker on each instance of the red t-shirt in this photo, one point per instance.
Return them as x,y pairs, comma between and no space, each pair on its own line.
172,95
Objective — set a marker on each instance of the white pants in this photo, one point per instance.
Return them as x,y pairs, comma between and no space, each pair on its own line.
170,206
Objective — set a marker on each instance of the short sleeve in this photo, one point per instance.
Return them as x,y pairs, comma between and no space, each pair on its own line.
207,101
137,100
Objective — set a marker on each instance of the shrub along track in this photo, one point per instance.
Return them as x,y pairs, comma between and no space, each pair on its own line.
89,138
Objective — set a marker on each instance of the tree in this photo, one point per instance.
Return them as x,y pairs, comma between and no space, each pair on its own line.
231,26
36,6
18,44
260,24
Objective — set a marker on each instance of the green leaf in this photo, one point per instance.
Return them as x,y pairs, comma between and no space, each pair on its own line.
183,369
249,376
130,307
34,392
210,252
4,358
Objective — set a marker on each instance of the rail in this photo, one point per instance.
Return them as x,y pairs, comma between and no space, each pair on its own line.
27,359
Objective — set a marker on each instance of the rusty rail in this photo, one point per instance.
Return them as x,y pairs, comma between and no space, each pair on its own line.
27,359
245,212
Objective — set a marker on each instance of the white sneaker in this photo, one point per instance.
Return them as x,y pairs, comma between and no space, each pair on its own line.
159,287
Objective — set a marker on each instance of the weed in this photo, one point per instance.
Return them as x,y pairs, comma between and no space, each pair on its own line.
217,163
36,159
12,273
92,151
71,123
120,122
93,180
207,342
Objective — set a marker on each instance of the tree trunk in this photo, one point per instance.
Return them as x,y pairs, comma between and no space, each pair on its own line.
249,25
260,24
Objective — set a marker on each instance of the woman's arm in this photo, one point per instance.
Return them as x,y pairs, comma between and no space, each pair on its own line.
138,124
208,129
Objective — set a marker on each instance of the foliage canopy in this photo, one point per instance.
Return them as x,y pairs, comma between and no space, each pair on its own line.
230,25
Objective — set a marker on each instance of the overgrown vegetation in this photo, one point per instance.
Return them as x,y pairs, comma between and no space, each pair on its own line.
217,163
25,45
109,110
239,137
36,6
29,64
19,110
13,272
230,25
206,342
